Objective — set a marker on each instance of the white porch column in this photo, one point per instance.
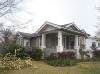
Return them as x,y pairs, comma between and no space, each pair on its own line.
59,47
43,41
84,41
43,44
76,47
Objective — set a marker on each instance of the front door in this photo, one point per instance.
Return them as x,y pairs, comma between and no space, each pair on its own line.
71,42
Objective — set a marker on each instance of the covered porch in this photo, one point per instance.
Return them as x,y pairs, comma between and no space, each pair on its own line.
59,38
59,41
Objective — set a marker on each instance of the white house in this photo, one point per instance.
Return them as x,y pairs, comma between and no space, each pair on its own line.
89,42
51,37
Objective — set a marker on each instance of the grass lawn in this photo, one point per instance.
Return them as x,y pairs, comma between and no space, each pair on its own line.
43,68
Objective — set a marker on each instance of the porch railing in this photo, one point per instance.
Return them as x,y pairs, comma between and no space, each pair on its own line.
73,50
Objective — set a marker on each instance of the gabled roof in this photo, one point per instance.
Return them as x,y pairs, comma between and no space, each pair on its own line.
27,35
22,34
34,35
48,23
67,27
70,26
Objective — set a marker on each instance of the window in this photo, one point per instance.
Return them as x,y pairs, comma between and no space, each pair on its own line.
21,42
93,44
98,44
80,41
71,42
27,43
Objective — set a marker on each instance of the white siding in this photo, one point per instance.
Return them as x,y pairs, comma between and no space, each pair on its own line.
89,43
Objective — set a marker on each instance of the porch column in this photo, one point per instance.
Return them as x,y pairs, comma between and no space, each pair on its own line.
43,41
76,47
84,41
59,47
43,44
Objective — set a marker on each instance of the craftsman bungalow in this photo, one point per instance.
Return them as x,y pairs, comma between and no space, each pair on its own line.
51,37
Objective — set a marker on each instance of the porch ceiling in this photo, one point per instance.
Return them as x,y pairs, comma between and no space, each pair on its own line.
73,32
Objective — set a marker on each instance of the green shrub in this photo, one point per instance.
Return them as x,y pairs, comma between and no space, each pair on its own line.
12,49
83,53
61,62
10,61
72,62
37,54
95,59
96,53
53,62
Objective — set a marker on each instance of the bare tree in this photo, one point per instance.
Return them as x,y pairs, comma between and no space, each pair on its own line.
10,6
6,35
97,33
9,10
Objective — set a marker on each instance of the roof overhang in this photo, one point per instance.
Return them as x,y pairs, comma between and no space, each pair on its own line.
75,32
63,28
19,34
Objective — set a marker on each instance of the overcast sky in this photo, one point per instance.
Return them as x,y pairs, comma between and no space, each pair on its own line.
81,12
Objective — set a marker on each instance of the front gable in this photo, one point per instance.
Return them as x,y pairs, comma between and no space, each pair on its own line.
74,27
71,26
47,26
